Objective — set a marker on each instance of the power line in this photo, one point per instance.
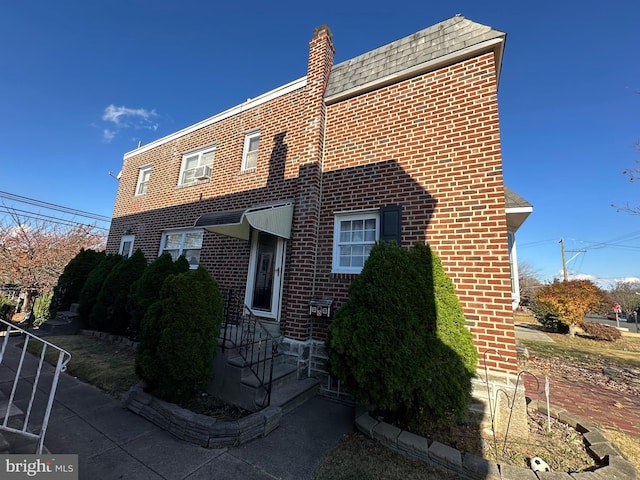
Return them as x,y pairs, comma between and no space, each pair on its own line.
53,206
47,218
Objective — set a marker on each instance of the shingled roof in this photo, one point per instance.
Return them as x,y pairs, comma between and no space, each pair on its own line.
513,200
399,59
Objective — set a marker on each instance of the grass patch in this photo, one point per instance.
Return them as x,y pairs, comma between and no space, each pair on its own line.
360,458
106,365
628,445
622,353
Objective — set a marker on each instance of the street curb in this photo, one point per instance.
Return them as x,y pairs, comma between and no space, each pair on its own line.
612,463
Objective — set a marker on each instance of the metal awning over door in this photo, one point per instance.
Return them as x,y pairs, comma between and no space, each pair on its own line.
274,218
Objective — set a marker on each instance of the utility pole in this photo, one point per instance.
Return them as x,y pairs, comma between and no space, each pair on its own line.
564,260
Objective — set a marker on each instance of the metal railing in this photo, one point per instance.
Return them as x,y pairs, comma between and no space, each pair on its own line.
30,428
253,342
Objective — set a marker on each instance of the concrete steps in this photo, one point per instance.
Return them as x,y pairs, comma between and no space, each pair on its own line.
236,383
64,323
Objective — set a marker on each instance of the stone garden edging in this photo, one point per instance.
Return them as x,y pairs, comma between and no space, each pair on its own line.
200,429
471,466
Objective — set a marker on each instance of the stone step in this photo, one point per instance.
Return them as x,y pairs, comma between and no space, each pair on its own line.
295,393
282,374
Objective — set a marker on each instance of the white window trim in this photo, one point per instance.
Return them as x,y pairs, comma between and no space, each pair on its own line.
123,240
192,153
183,232
141,173
245,151
342,216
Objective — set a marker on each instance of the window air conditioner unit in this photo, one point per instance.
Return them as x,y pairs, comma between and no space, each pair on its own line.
203,172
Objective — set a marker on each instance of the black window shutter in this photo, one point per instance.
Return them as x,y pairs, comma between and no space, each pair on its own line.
391,224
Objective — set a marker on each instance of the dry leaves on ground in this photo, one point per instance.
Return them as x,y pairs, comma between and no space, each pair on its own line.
597,372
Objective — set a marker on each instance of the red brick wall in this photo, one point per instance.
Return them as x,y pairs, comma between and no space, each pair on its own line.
432,144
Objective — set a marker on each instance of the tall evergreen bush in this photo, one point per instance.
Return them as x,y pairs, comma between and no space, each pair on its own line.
400,343
146,290
179,336
93,285
72,279
109,314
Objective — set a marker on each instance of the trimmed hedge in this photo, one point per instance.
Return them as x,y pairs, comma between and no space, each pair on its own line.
179,335
72,280
93,285
109,314
146,289
400,343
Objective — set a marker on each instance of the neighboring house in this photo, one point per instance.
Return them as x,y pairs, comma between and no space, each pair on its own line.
282,197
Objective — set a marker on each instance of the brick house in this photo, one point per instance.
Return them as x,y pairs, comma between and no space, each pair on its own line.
282,196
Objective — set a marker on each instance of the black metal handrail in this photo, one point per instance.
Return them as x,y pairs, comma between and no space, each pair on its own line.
245,333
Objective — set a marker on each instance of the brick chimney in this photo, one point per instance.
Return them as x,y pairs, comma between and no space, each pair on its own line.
309,194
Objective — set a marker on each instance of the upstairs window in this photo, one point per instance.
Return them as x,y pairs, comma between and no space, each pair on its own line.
250,153
196,166
185,242
143,180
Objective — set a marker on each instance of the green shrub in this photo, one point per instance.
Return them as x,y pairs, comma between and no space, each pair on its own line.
73,278
548,319
11,307
109,314
400,343
179,335
598,331
146,290
93,285
41,307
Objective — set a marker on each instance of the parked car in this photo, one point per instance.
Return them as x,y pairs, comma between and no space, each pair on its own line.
612,316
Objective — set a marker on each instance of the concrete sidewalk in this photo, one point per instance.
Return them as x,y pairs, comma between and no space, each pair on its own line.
114,443
526,331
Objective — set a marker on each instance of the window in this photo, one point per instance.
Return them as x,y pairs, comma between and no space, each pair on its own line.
143,180
354,236
250,154
196,166
126,246
186,242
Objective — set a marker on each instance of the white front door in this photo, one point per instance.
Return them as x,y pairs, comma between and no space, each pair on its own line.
264,281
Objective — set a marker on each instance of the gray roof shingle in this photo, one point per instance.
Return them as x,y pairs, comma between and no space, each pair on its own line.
513,200
444,38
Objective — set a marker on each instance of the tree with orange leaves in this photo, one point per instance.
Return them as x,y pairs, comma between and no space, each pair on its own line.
34,252
571,300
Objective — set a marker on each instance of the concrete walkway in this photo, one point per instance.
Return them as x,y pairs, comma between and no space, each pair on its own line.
113,443
527,331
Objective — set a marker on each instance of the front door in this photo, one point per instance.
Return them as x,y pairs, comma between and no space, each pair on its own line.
264,282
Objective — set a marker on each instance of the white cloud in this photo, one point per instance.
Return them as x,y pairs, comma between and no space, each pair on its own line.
108,134
121,118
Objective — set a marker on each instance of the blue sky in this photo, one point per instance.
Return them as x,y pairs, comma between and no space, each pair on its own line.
81,83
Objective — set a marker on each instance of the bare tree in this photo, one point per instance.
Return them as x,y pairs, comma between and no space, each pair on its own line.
627,295
529,282
34,252
633,174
